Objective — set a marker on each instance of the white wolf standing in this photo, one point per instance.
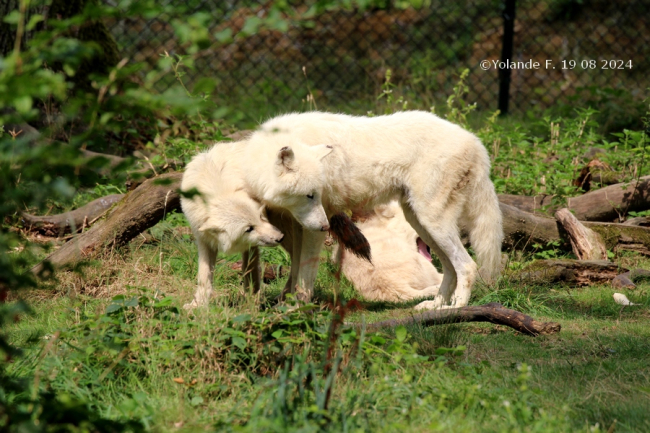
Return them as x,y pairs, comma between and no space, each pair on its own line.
317,164
399,269
223,217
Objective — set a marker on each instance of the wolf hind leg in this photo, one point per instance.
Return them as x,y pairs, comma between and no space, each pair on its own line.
439,231
409,293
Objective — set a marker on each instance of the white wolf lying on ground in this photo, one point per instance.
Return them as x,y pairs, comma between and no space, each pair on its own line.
400,270
223,217
318,164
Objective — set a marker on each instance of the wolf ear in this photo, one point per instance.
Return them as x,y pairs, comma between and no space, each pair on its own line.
286,157
322,150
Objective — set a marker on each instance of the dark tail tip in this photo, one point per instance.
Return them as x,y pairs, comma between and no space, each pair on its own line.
349,235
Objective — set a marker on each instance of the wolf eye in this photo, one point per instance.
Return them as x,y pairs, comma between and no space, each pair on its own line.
310,196
250,229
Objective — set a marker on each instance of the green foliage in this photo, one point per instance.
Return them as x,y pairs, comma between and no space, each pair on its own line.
24,408
34,172
277,370
529,163
38,85
457,107
391,105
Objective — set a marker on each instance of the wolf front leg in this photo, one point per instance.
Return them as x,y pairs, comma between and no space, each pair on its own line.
291,242
312,243
207,259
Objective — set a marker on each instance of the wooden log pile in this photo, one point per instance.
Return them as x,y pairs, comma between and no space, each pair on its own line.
524,223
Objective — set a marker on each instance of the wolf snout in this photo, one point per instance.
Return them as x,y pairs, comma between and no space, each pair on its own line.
273,240
325,228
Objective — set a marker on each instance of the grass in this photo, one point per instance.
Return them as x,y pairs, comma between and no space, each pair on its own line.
140,356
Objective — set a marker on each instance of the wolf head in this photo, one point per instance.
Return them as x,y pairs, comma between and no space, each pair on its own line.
296,183
237,223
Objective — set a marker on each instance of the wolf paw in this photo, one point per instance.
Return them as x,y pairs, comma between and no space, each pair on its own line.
194,304
438,303
190,306
428,305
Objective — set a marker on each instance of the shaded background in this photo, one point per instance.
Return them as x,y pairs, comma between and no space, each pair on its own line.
347,51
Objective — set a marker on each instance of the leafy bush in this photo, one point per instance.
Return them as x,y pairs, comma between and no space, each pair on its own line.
38,84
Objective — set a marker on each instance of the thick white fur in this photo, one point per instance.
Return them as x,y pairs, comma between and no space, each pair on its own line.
439,171
398,271
224,218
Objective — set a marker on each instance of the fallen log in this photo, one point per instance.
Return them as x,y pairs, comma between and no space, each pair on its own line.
138,210
522,230
113,160
612,202
585,243
146,205
573,272
622,237
492,312
532,204
627,280
605,204
60,224
638,221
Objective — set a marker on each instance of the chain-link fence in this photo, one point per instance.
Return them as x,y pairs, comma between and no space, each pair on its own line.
561,49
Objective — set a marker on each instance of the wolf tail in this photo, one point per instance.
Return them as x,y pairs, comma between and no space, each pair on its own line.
485,225
348,234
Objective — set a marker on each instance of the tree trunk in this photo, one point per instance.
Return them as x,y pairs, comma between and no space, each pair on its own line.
493,313
8,31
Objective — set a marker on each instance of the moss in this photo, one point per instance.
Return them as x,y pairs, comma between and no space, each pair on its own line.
611,234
